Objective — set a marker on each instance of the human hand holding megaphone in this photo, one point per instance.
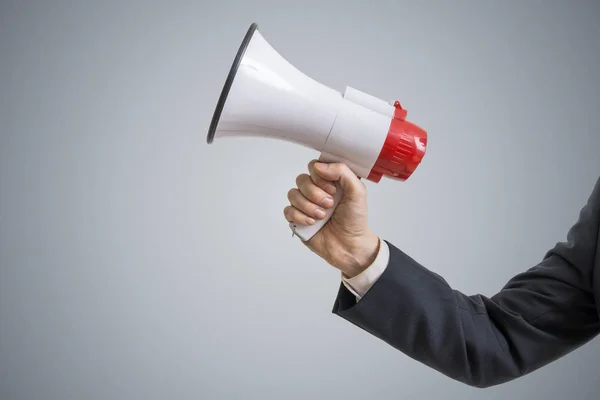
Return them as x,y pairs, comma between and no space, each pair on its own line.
266,96
345,239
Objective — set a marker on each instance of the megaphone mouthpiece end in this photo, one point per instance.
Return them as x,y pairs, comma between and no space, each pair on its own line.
229,81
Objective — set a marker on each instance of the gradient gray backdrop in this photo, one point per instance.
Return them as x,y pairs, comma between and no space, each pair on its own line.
137,262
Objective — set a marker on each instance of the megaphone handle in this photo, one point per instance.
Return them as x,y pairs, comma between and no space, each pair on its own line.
306,232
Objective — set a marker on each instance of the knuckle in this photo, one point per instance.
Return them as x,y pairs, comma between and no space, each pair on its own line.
307,186
291,193
301,179
291,214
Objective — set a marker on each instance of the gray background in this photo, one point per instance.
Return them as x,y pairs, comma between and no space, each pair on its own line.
137,262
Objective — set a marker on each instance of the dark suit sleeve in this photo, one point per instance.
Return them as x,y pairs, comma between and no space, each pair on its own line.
537,317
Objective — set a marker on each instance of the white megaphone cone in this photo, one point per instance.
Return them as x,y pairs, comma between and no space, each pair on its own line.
266,96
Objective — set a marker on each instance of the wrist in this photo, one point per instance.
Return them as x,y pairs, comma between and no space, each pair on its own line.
362,254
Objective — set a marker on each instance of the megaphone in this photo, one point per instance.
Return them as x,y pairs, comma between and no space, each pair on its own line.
266,96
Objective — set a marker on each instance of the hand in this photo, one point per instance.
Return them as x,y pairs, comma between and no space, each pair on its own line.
345,241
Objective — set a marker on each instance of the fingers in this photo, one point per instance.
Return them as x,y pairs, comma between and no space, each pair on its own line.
312,192
309,200
348,180
297,217
318,180
309,211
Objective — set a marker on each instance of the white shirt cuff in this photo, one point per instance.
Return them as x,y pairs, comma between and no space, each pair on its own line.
361,283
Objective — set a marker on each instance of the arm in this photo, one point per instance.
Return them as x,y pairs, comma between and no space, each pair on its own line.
539,316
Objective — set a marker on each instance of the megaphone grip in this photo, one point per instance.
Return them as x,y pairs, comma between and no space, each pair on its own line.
306,232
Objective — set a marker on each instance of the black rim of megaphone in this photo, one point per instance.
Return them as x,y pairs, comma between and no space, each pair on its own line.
229,82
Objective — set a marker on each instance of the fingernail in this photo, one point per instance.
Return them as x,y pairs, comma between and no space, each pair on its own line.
321,165
327,202
330,189
320,213
310,221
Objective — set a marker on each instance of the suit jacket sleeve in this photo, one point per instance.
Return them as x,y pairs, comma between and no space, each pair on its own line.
537,317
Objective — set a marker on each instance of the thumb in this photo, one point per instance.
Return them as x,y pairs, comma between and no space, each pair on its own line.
340,172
